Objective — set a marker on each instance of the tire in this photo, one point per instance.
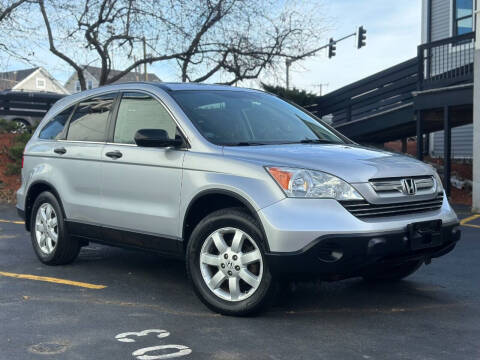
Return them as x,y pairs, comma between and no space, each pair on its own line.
223,298
21,126
49,251
393,273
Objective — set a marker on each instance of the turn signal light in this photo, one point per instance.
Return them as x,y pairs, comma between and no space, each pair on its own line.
282,177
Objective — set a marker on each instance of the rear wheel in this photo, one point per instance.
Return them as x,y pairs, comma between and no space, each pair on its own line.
226,263
393,273
50,239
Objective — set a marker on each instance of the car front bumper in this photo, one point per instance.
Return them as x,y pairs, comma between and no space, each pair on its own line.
300,230
357,253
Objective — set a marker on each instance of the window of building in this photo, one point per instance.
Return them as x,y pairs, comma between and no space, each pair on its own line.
41,83
54,128
140,111
89,84
78,88
89,121
463,16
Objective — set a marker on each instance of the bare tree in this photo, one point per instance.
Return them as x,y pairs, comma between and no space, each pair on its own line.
242,38
209,40
9,17
100,27
7,7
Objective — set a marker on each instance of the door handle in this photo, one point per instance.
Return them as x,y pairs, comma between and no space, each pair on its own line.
114,154
60,150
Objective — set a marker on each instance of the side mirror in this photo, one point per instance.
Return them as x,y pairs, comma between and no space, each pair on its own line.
156,138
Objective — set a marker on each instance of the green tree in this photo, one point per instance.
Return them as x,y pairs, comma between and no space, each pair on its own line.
299,97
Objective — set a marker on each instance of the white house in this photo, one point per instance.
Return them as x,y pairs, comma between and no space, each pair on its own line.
35,79
92,77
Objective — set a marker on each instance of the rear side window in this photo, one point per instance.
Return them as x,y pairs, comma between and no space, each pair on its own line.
89,121
140,111
54,128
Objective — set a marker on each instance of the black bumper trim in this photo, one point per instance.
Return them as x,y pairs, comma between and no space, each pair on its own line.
359,252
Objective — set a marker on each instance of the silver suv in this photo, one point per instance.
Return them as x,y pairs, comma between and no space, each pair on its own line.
245,186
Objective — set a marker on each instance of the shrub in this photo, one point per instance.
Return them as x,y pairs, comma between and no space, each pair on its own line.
13,168
6,126
15,151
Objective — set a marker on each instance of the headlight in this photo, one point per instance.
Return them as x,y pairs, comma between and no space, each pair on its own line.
301,183
438,181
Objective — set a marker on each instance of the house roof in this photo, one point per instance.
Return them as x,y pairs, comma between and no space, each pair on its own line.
9,79
131,76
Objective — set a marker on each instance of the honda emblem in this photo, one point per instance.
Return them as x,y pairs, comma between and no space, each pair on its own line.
409,187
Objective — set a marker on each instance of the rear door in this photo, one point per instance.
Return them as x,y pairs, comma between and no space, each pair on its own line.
80,155
141,186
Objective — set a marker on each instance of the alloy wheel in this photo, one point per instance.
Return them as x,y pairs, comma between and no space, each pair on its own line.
231,264
46,228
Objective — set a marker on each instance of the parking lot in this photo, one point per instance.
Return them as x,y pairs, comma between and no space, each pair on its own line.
125,305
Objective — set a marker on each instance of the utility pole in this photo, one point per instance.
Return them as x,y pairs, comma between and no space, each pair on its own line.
476,118
320,87
288,63
145,58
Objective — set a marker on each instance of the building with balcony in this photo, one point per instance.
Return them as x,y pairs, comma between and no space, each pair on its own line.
429,97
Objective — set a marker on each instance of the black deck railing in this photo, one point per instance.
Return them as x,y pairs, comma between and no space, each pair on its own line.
439,64
446,62
16,103
378,93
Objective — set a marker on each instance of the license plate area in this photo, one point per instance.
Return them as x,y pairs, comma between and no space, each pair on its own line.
425,234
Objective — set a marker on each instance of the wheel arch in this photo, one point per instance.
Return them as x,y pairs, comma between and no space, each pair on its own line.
35,189
216,199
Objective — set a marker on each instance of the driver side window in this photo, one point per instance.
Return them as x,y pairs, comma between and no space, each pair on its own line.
141,111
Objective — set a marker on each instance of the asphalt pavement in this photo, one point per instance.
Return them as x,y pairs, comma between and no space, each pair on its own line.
120,304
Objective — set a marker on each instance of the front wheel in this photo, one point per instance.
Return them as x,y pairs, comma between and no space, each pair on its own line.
393,273
226,263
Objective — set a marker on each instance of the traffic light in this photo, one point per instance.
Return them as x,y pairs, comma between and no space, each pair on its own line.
332,48
361,37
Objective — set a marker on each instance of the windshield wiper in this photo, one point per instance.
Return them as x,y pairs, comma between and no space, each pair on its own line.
315,141
245,143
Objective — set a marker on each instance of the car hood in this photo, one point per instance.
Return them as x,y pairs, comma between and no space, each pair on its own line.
352,163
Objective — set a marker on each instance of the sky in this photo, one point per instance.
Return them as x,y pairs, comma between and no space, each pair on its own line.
393,34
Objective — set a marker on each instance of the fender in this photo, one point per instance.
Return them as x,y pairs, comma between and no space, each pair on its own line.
45,186
232,194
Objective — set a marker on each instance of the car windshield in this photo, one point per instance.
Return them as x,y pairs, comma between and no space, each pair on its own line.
250,118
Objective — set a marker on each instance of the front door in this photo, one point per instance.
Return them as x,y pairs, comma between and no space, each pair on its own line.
140,185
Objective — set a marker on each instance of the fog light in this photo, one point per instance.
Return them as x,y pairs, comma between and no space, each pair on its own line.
337,255
330,253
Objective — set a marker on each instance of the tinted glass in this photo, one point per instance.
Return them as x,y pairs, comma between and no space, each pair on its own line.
464,8
464,16
232,117
464,26
141,111
54,128
89,122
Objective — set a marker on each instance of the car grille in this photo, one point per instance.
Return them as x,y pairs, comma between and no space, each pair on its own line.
363,209
394,185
